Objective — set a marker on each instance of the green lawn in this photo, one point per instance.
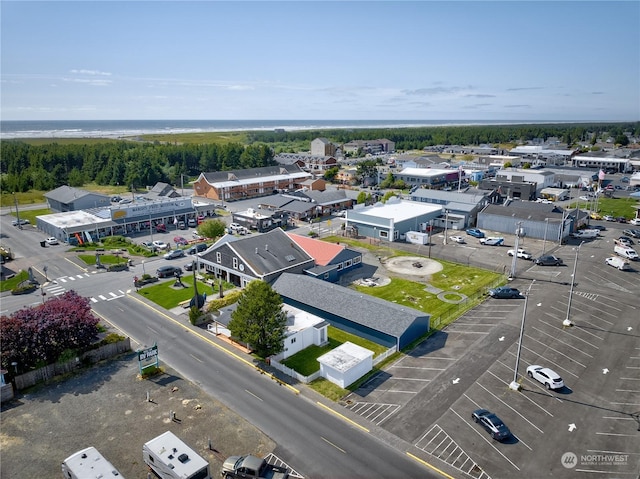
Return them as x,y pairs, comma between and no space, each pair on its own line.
9,284
615,206
164,294
306,361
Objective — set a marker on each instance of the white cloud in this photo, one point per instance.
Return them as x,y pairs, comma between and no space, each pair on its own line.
90,72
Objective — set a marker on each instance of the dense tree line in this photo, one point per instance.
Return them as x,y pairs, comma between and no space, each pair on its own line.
40,335
418,138
46,167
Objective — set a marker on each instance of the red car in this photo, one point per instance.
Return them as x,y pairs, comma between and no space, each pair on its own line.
180,241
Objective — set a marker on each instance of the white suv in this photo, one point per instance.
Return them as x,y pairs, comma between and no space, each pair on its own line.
521,253
492,241
546,376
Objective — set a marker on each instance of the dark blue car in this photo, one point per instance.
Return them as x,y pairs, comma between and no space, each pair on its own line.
475,232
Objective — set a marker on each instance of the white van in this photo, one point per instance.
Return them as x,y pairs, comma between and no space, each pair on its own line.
626,252
617,262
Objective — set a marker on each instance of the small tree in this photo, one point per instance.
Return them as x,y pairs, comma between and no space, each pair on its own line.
259,319
212,228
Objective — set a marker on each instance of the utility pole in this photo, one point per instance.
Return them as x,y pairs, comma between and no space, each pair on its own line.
515,385
15,200
567,322
512,275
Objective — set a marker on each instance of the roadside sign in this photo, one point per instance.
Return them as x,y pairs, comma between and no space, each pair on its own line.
148,357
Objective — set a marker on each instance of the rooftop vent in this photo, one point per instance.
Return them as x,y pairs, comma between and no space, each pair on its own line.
183,458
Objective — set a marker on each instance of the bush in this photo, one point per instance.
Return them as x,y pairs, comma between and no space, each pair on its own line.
228,299
24,289
194,315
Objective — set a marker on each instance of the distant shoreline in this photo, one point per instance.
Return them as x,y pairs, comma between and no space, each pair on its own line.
131,129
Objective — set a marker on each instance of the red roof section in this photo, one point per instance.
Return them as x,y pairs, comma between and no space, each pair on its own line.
321,251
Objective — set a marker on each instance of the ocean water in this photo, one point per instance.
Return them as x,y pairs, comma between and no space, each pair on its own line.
129,128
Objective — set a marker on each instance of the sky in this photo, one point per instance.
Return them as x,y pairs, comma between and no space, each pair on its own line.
329,60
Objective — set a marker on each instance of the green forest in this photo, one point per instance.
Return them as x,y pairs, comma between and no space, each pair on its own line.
45,166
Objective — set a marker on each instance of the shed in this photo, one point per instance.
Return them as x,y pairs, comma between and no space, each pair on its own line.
346,364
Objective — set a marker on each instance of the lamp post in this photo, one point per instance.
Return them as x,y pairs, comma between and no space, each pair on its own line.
446,225
544,241
512,274
46,278
143,270
515,385
150,228
567,322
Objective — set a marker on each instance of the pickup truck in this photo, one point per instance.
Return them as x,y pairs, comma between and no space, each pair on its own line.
585,234
251,467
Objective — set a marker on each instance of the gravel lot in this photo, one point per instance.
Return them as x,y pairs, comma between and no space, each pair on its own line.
106,407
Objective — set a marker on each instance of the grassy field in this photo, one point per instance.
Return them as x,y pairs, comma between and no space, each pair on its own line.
615,206
306,361
168,296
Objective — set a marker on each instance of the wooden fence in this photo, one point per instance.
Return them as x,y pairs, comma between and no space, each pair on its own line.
56,369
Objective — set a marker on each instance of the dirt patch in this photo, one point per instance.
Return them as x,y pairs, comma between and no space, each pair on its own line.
412,265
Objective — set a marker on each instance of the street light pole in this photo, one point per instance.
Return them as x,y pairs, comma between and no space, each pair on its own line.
567,322
515,385
512,275
544,241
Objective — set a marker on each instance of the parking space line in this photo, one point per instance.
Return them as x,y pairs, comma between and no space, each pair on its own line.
416,367
631,379
555,350
541,431
484,438
625,403
614,452
547,360
526,397
627,391
619,418
414,379
615,434
563,342
557,328
524,443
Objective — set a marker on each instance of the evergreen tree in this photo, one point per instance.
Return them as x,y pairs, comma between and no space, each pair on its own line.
259,319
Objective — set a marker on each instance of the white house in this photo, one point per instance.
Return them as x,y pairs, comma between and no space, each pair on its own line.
303,330
346,364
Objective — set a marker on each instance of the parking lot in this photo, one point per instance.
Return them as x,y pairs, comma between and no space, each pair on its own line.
588,427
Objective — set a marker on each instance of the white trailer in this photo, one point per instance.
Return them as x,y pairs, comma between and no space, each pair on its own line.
170,458
416,237
88,464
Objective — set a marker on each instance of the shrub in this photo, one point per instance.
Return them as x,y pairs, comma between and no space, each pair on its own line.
228,299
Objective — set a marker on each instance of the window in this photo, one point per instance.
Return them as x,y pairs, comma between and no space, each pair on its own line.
348,263
293,340
218,257
339,267
384,234
357,260
326,276
235,263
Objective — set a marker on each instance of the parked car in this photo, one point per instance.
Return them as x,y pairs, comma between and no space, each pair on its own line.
188,266
20,223
51,240
197,248
492,423
475,232
160,245
623,241
176,253
167,271
521,253
192,223
626,252
180,241
632,233
161,228
196,236
504,292
548,260
181,225
546,376
617,262
621,219
492,241
149,245
457,239
635,221
608,218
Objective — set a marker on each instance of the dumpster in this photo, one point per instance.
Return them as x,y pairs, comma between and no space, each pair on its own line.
43,244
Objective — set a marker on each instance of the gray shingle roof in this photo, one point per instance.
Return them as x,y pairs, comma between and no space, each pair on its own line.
67,194
369,311
251,173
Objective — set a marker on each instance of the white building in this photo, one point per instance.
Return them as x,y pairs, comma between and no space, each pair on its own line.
303,330
346,364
